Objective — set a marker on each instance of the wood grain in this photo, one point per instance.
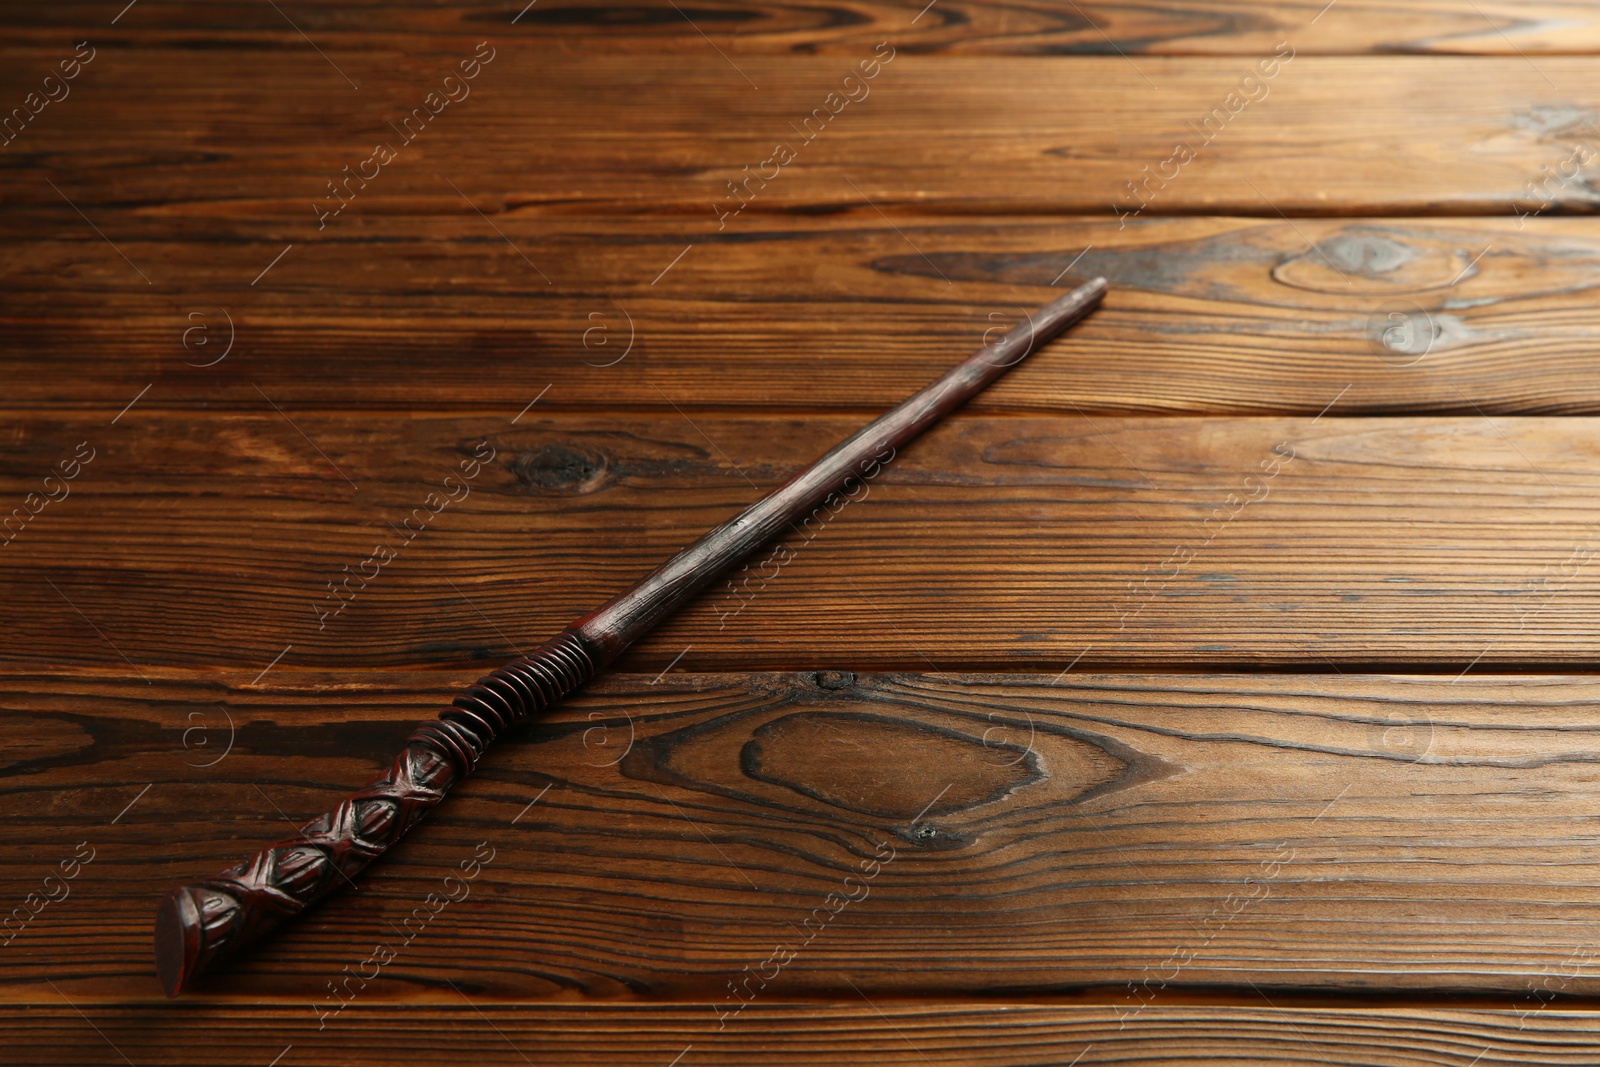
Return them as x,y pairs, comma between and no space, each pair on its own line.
993,542
1204,27
666,135
1205,315
1019,1035
658,837
1288,866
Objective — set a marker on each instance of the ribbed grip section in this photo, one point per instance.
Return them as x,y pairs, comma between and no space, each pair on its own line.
522,687
200,924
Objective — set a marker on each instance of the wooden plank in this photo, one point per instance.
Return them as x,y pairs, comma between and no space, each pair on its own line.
1020,1035
1148,836
1206,27
1205,315
992,542
668,135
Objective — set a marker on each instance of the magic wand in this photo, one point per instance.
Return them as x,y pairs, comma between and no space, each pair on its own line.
199,924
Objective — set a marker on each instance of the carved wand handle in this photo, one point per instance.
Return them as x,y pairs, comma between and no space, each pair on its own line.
199,924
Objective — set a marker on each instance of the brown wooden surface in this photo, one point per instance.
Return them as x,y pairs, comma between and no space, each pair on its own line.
1437,541
1318,786
1025,1035
1206,315
1094,27
1155,835
663,135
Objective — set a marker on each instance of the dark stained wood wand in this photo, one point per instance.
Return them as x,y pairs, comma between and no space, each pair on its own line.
199,924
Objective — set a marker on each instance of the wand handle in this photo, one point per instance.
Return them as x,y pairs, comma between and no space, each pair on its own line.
200,924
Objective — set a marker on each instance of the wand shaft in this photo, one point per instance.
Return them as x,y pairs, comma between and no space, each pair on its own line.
619,623
198,925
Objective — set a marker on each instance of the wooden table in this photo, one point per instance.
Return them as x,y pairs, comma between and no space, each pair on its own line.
1217,688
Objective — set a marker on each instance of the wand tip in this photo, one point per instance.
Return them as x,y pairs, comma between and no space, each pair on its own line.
1090,292
1066,309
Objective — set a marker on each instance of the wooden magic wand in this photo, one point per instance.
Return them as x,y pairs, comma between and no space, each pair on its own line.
199,924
